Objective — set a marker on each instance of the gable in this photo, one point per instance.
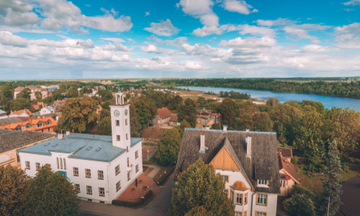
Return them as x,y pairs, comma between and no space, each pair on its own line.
223,160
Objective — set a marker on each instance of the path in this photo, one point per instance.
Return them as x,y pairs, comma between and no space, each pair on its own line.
155,170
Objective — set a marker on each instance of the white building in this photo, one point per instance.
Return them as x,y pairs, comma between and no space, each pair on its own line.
100,167
246,160
44,92
47,110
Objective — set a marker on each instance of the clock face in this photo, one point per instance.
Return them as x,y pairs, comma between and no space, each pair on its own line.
126,112
116,113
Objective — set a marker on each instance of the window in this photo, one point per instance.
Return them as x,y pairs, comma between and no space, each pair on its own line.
226,192
225,178
27,164
57,162
88,190
87,173
128,176
77,188
117,122
64,164
118,186
37,166
238,213
127,136
136,154
128,162
260,213
100,175
28,125
75,171
117,169
117,137
262,183
137,168
61,164
48,122
261,199
246,199
239,199
232,196
126,122
282,176
39,124
101,192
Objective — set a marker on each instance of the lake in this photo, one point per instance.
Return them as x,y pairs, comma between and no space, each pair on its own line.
328,101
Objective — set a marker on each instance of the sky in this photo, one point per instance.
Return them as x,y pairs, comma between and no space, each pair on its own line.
60,39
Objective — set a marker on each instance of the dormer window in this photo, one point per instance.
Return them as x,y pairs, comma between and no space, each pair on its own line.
48,122
39,124
18,128
262,183
28,125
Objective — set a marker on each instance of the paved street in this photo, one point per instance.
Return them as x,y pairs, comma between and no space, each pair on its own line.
158,206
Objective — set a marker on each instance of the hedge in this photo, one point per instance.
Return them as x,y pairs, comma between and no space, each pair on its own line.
163,178
134,204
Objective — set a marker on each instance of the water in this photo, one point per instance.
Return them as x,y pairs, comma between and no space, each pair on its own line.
328,101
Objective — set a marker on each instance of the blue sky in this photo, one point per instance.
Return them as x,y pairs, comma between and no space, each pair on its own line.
60,39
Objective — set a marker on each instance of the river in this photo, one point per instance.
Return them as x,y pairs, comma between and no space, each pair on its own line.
328,101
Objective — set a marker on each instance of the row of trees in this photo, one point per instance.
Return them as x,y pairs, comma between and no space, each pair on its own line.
341,89
235,95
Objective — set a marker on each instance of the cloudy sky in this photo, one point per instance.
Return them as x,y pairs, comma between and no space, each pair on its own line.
52,39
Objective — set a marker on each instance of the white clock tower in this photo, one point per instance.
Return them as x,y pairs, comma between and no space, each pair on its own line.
120,122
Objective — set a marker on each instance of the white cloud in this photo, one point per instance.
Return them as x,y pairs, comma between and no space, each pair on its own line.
7,38
164,28
239,6
243,29
352,2
301,34
249,42
194,65
278,22
152,49
201,9
117,46
119,40
17,13
147,13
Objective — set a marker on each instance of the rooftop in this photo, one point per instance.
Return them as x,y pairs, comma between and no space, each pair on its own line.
164,112
81,146
286,152
350,197
6,121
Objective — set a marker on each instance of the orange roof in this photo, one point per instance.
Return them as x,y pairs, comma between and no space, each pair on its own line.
33,124
21,111
34,106
174,118
288,167
164,112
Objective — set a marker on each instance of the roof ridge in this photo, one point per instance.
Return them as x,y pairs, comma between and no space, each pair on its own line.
220,130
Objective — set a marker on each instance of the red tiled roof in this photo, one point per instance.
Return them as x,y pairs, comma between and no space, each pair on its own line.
286,152
164,112
22,111
288,168
174,118
33,123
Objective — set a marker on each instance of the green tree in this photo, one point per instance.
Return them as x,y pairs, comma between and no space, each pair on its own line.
104,126
228,112
104,113
50,193
183,125
262,122
13,183
72,92
272,101
198,211
187,111
168,147
78,114
20,103
332,186
25,93
38,95
146,110
200,186
135,125
299,205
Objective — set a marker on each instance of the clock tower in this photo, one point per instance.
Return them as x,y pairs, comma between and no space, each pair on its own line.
120,122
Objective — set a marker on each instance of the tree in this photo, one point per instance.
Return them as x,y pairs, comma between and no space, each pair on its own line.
38,95
262,122
78,114
135,126
168,147
104,126
299,205
272,101
146,110
72,92
50,193
183,125
200,186
332,186
187,111
104,113
198,211
13,183
227,111
25,93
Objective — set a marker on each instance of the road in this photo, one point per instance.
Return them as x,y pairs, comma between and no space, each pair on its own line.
157,207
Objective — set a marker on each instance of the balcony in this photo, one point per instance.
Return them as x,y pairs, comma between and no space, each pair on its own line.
129,168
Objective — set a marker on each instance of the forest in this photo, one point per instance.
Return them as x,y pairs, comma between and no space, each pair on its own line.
350,89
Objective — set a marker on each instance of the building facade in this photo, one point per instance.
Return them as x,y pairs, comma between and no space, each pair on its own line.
246,160
100,167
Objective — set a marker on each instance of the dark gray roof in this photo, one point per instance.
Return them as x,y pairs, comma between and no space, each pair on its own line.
15,139
6,121
264,158
350,197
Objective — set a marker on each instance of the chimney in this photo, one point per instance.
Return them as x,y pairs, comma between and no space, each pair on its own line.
248,147
60,136
247,130
67,133
224,128
207,127
202,144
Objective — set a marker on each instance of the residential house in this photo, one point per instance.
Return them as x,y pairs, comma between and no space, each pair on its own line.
216,118
100,167
38,106
286,153
58,104
246,160
10,141
203,118
174,120
9,120
35,124
44,92
47,110
2,113
21,112
350,198
163,116
288,175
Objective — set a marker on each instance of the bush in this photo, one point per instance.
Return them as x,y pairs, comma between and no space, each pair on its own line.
346,168
299,205
134,204
163,178
294,160
297,189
